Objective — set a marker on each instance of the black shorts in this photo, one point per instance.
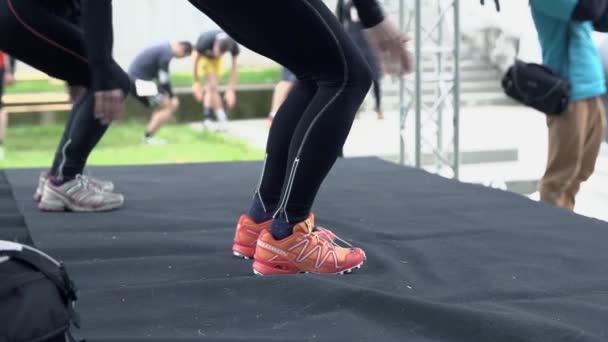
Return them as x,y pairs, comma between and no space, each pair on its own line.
288,76
2,70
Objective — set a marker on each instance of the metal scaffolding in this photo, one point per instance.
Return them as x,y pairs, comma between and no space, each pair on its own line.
432,94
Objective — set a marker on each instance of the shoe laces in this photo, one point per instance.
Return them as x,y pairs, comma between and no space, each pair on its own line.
86,183
332,244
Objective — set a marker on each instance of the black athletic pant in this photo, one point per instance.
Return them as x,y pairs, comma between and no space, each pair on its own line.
56,46
314,121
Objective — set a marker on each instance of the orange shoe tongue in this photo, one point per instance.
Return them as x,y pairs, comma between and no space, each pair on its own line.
304,227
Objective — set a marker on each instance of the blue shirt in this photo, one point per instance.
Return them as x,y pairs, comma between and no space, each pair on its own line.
568,48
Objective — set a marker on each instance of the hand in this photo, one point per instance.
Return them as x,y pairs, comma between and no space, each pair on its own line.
9,78
230,98
390,45
75,92
109,105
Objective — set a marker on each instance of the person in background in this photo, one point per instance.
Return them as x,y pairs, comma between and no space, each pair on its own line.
603,47
309,128
349,17
152,64
7,77
575,135
281,90
49,36
209,63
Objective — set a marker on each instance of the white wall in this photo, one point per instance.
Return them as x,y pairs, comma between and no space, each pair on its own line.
139,23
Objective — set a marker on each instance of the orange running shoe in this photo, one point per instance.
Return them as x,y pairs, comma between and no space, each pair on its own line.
304,252
246,236
247,233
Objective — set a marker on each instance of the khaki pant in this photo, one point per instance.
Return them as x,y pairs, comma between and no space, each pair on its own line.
575,137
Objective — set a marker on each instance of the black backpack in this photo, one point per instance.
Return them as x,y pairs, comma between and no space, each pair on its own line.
37,297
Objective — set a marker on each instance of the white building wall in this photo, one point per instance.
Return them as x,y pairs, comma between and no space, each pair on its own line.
139,23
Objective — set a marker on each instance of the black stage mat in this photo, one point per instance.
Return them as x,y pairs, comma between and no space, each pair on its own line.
447,261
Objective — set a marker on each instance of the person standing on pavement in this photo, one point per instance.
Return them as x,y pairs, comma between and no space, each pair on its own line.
575,135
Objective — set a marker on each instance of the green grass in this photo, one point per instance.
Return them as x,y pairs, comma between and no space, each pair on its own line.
34,86
34,146
261,76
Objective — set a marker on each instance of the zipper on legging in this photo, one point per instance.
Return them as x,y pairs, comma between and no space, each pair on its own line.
283,205
63,159
292,176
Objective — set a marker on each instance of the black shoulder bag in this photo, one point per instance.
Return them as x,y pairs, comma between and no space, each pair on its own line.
538,87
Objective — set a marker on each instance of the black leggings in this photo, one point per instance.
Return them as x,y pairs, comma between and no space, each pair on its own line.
315,119
56,46
378,95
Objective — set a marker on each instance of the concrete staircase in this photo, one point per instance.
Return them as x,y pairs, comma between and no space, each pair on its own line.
479,84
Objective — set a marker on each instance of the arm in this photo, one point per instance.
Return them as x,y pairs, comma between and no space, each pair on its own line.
230,95
234,73
370,12
99,41
385,37
195,76
557,9
105,78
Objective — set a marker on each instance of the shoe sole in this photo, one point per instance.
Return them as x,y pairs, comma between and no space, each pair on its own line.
243,252
241,256
344,272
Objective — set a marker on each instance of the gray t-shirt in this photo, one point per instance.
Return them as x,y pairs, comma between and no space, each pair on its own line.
206,41
153,64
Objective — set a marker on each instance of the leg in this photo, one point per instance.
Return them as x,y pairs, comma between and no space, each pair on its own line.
341,76
3,124
304,140
594,133
209,99
281,90
3,114
211,89
160,116
216,103
378,98
55,46
566,141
